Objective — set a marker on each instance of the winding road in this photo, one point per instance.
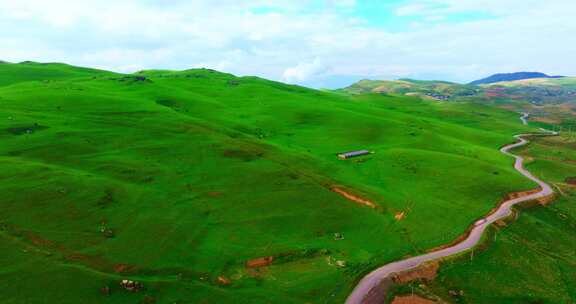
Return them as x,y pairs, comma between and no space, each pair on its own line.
371,289
524,118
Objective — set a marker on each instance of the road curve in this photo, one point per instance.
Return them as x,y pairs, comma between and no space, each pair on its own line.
524,118
370,289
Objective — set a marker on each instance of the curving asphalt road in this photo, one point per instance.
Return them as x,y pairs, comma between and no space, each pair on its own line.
371,289
524,118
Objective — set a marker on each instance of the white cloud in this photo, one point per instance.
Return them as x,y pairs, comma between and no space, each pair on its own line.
344,3
496,7
305,71
232,35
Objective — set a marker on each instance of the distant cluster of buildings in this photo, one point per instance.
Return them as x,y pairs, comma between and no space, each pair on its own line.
438,96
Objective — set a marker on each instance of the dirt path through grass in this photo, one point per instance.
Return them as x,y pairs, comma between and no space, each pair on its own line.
371,288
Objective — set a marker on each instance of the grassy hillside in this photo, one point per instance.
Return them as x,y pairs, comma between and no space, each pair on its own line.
532,260
430,89
11,73
176,179
551,82
539,91
536,91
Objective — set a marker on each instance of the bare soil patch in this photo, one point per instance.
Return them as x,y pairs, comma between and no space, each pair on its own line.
400,215
427,272
544,201
354,198
571,180
515,195
260,262
38,240
224,281
123,268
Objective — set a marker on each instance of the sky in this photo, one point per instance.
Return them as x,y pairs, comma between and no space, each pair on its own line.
315,43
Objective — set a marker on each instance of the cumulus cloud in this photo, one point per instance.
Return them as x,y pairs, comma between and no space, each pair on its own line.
264,37
305,71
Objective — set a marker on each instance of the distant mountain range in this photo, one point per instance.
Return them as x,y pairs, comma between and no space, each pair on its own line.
441,90
536,88
511,77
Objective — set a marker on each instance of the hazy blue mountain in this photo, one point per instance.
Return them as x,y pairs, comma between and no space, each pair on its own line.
511,77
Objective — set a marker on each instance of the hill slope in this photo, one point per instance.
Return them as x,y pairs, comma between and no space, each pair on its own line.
11,73
538,91
178,179
428,89
532,260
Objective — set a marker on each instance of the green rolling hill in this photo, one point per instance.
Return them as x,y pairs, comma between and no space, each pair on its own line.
532,259
567,82
12,73
537,91
178,179
442,90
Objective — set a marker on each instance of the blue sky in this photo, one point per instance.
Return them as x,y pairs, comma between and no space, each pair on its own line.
317,43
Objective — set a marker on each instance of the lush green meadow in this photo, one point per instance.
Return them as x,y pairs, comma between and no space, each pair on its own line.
176,179
534,258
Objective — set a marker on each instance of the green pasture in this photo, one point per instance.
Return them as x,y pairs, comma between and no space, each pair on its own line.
533,259
193,173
